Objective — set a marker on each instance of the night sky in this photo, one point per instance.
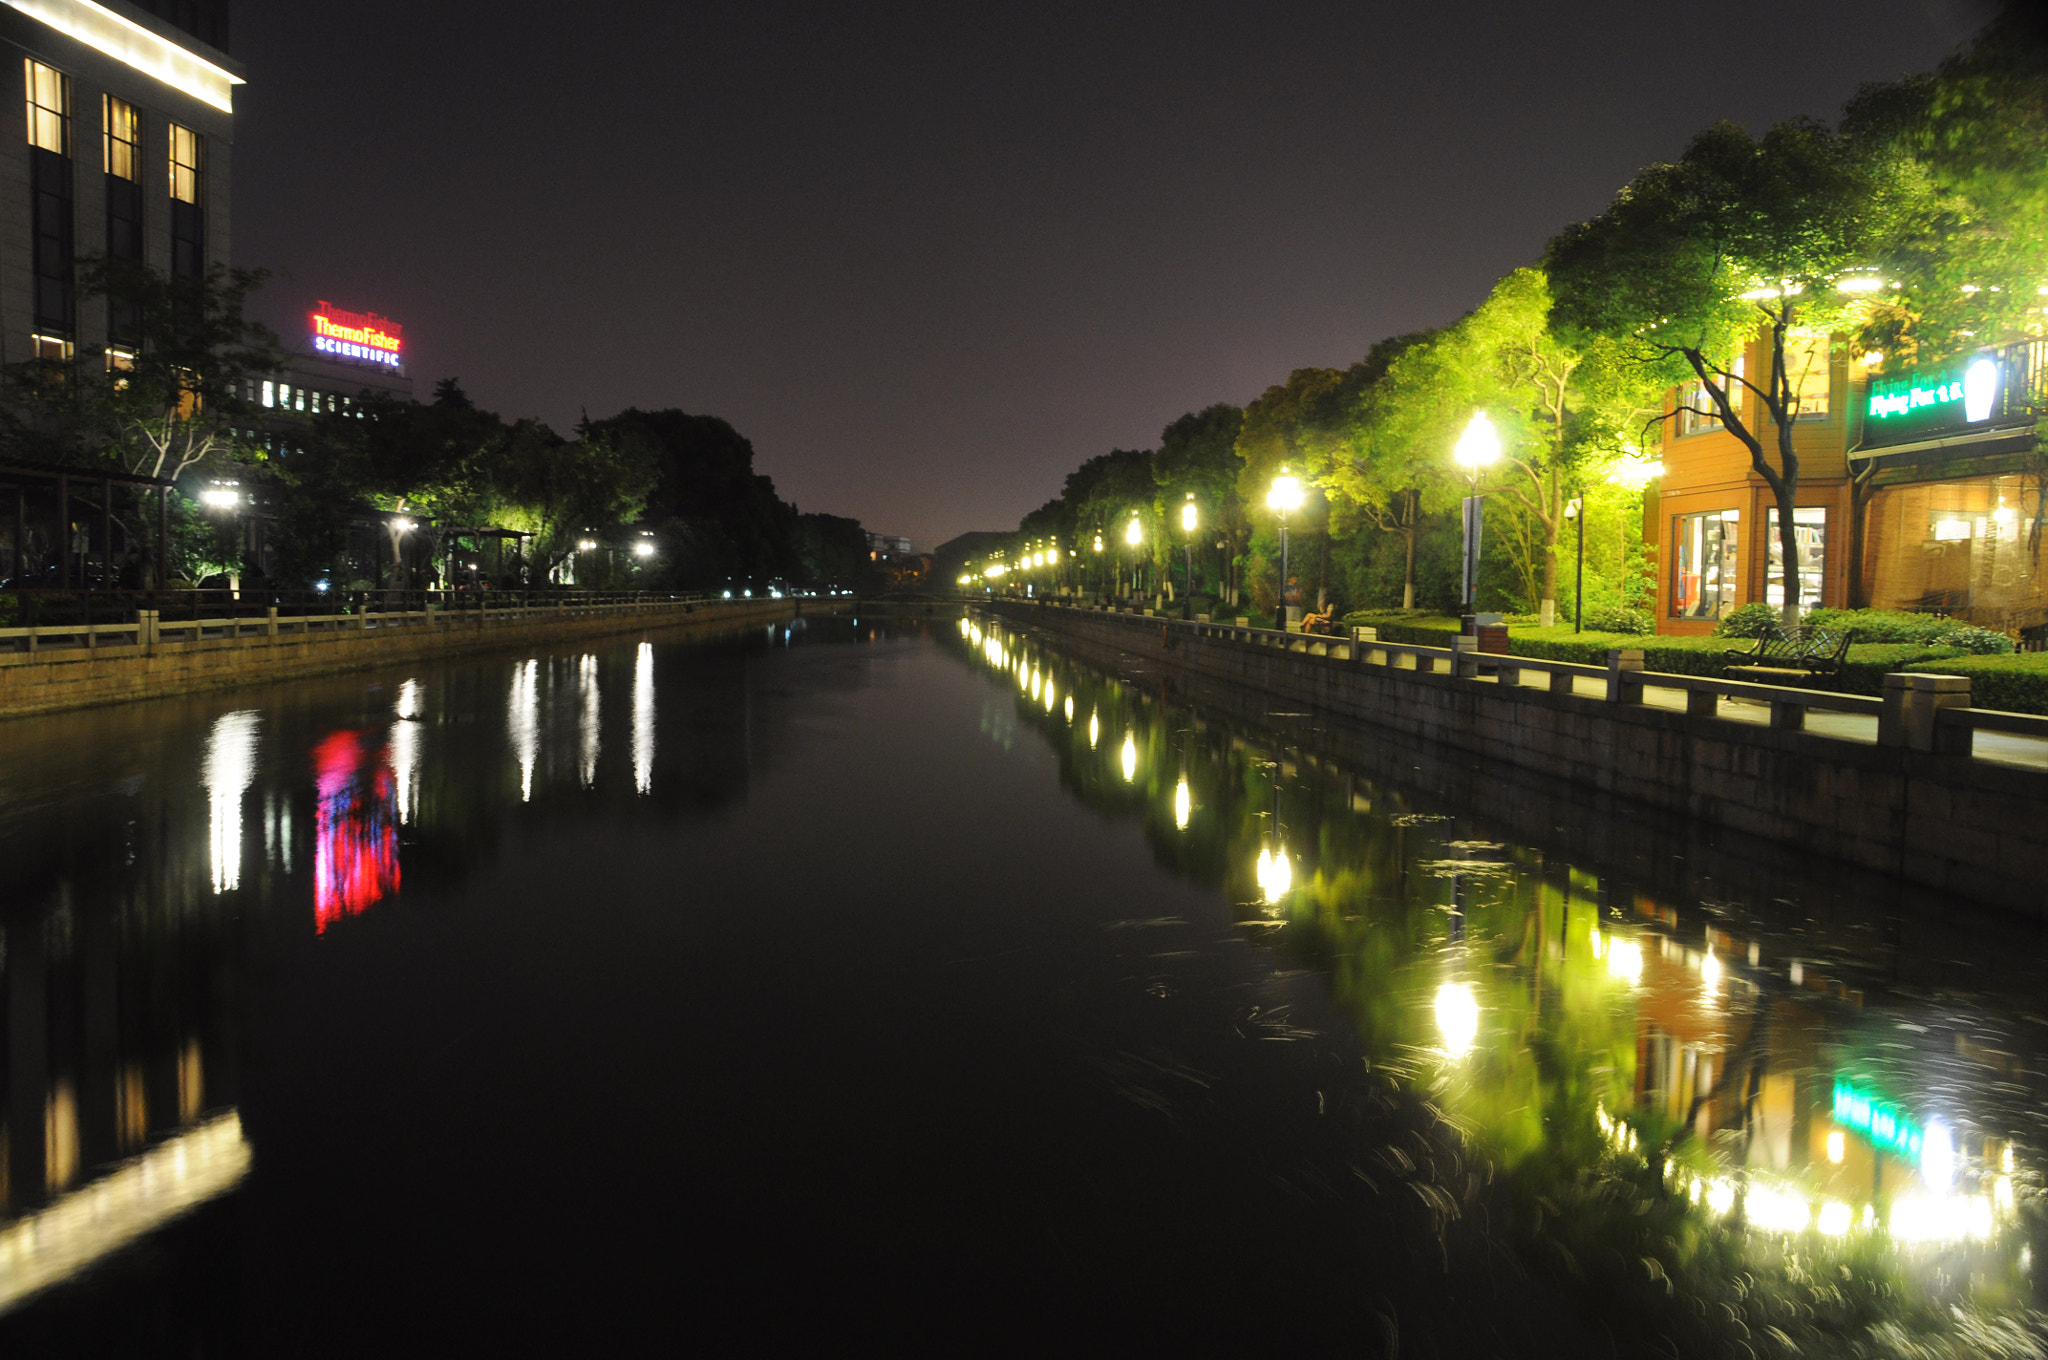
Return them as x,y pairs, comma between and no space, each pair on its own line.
930,257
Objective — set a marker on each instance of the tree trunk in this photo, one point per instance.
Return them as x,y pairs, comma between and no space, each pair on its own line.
1788,553
1408,579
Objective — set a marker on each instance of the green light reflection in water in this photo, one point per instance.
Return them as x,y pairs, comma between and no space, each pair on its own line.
1658,1111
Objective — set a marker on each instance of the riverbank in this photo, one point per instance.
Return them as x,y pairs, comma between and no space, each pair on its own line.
1891,790
138,661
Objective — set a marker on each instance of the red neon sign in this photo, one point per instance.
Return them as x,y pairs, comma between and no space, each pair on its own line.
357,335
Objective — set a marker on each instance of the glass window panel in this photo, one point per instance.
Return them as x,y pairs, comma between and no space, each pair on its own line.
123,130
185,148
1810,530
49,108
1806,369
1706,564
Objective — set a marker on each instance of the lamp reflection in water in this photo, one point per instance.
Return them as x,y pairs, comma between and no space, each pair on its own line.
1094,730
643,719
522,720
1457,1017
403,750
1275,874
355,837
586,684
1130,757
229,769
1181,804
1070,708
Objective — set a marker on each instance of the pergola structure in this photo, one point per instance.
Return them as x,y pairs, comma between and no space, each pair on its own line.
62,480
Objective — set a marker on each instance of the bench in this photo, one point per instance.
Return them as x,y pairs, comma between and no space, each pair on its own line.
1802,655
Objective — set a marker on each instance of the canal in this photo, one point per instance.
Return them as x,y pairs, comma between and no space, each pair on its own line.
906,980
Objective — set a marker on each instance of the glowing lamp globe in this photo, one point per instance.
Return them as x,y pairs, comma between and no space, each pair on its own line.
1479,446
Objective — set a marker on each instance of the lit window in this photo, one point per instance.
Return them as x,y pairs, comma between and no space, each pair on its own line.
49,108
1706,569
1806,369
51,347
1810,541
269,392
299,400
185,147
1704,415
122,133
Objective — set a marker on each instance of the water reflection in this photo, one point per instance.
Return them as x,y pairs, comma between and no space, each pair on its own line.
229,769
405,750
590,718
355,833
643,718
522,722
1777,1144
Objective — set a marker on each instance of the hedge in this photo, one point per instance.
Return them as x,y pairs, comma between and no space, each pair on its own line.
2015,683
1863,670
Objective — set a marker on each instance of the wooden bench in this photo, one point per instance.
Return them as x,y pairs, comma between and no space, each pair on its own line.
1804,654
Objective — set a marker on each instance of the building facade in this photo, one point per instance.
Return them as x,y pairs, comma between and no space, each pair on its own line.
1911,495
122,146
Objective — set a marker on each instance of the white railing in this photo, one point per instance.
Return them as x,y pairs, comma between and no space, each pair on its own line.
1919,712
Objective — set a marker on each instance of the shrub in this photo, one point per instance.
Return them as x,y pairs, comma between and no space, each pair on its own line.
1977,641
2014,683
1750,621
1883,625
1416,627
1613,619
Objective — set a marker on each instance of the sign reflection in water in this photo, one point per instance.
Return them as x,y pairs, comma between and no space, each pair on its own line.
355,835
1702,1072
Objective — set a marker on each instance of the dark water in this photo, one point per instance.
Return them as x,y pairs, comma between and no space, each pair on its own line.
894,984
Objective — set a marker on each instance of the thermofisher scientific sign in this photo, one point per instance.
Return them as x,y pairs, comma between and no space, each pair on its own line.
362,336
1924,405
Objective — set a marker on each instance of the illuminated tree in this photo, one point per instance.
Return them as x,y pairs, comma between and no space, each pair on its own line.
1741,238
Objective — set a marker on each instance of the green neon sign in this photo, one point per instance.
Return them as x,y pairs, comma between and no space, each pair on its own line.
1891,400
1887,1127
1927,404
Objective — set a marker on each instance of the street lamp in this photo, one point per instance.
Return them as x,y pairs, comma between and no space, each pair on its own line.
1134,535
1478,448
1284,498
1575,511
1188,516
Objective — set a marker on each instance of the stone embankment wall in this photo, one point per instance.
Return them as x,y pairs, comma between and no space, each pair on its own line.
76,677
1948,822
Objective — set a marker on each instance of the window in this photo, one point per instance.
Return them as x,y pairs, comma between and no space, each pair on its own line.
1807,371
269,392
1810,541
184,165
49,109
122,130
1703,417
188,227
49,137
1706,566
54,348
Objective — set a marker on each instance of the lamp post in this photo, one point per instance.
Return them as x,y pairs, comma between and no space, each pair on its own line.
1134,534
1478,448
1283,498
1188,516
1575,511
1098,559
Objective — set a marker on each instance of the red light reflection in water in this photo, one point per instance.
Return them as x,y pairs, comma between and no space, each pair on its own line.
355,830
